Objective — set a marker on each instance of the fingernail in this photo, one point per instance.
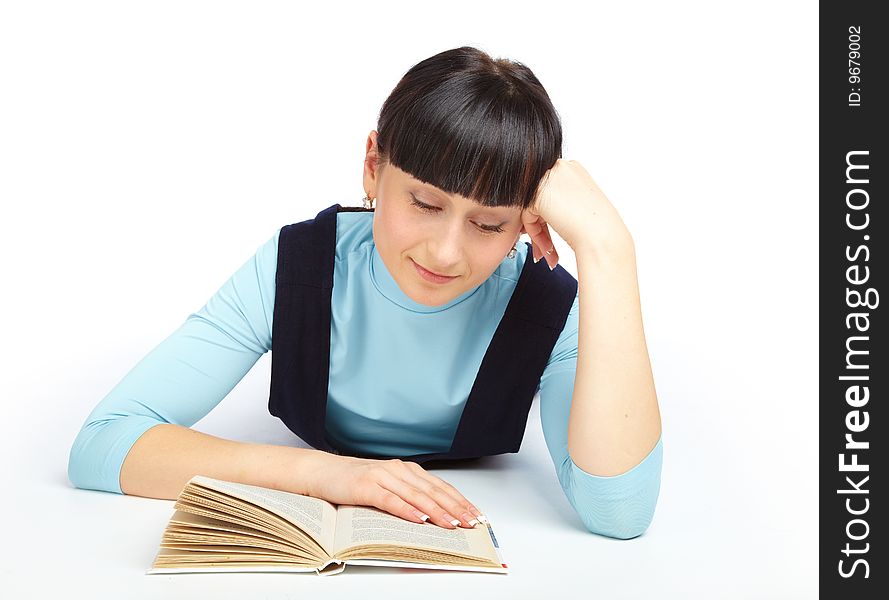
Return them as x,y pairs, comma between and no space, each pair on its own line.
452,520
551,267
536,260
469,520
422,516
483,519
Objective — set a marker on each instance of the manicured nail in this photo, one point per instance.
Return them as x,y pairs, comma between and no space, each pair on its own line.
422,516
536,260
469,520
452,520
483,519
551,267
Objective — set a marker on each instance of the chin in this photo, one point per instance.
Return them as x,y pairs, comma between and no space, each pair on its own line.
433,299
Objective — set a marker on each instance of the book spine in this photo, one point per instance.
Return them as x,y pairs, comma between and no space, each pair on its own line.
496,545
331,567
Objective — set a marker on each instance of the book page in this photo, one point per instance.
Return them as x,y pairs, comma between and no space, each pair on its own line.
363,525
185,527
315,516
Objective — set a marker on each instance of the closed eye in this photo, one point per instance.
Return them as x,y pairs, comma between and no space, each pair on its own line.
422,206
430,209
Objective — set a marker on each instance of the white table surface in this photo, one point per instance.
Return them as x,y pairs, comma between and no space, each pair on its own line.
724,527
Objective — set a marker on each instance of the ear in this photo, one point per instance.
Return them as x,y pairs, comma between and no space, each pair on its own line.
371,164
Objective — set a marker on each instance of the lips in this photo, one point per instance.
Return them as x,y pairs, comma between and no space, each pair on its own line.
432,276
433,272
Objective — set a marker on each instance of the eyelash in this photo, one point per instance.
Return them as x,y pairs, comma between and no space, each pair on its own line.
425,207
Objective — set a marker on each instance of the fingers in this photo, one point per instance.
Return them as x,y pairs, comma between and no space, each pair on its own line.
447,496
552,256
394,504
542,245
444,505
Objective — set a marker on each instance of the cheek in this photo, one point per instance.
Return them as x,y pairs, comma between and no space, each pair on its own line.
394,229
490,258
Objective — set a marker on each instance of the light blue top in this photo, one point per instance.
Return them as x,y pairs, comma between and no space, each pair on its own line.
400,373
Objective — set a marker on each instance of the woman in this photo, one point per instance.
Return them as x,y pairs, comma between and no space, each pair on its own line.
416,330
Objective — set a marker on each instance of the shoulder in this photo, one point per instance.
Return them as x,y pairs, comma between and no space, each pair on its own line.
354,230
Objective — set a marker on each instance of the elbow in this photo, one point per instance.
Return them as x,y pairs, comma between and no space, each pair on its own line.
624,526
87,460
622,520
620,506
78,455
100,448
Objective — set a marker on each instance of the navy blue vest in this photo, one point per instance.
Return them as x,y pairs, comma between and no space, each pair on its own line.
496,412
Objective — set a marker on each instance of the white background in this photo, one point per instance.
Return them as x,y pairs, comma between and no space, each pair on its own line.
147,150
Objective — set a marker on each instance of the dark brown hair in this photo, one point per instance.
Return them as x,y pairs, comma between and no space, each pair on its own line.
472,125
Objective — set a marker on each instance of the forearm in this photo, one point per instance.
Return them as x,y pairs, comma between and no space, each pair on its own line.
614,421
166,456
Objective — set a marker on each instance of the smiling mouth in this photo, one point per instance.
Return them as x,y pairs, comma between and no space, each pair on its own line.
418,265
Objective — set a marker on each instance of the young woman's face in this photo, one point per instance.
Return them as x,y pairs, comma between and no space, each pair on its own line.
455,236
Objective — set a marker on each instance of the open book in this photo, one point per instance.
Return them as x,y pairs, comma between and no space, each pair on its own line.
220,526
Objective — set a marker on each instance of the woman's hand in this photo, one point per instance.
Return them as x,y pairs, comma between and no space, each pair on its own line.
401,488
573,205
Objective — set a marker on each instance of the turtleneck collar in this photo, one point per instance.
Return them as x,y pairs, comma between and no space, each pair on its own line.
388,287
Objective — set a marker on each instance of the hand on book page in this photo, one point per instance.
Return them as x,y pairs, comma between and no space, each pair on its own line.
401,488
221,526
369,533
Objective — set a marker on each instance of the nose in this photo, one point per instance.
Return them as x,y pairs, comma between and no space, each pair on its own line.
446,249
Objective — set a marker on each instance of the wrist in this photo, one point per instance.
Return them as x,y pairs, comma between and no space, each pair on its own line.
312,470
617,251
304,470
